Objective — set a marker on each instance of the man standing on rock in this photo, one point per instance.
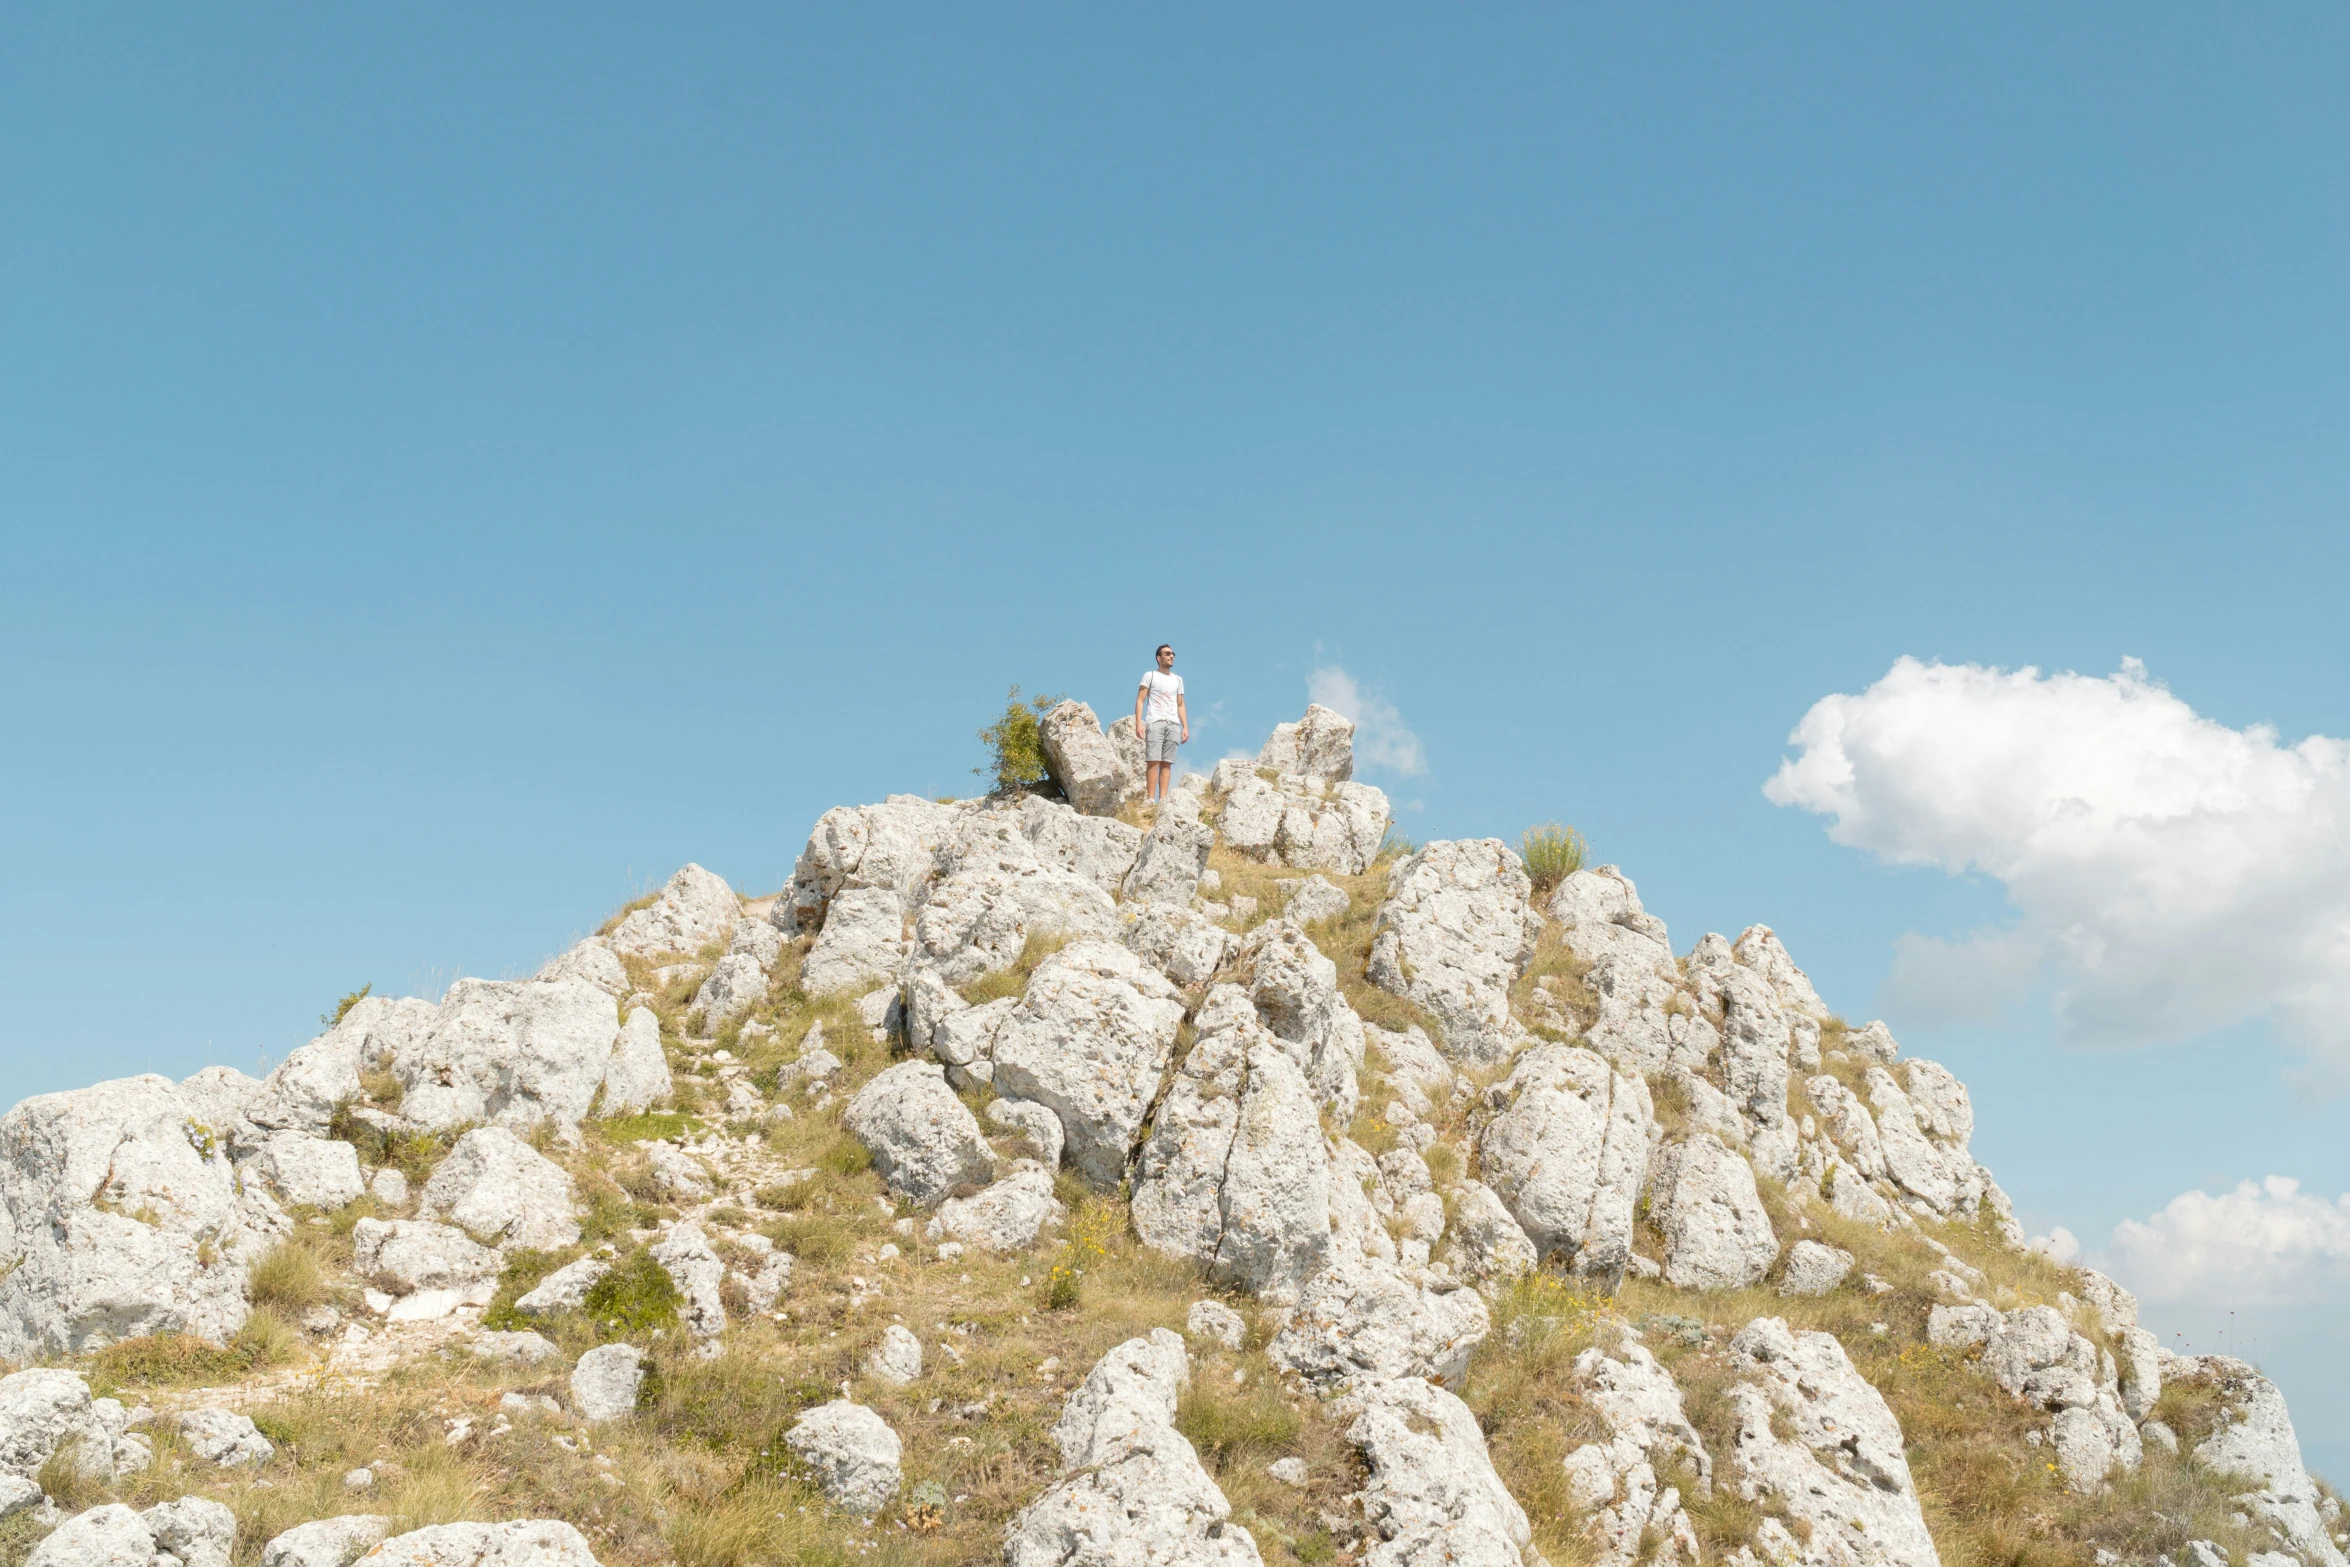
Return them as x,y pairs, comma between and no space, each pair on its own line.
1161,723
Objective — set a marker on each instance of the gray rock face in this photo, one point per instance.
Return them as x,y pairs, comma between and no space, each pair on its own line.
1599,916
328,1542
1295,991
533,1542
924,1140
739,980
1185,946
994,892
565,1289
1234,1176
495,1186
218,1097
897,1360
118,1217
1841,1469
1568,1155
1760,951
1314,899
1615,1482
1363,1319
1756,1038
1035,1125
694,908
1814,1269
1455,933
1212,1319
1318,749
406,1255
636,1078
862,944
302,1093
1099,848
224,1437
513,1052
198,1531
46,1408
1432,1496
1294,822
1007,1216
1488,1248
890,847
1174,853
1717,1232
594,961
2259,1444
307,1171
106,1536
1082,761
604,1383
852,1453
685,1255
516,1349
1091,1041
1131,1488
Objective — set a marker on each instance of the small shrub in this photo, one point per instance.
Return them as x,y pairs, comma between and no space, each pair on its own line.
266,1339
650,1126
1551,854
166,1359
635,1298
286,1277
1088,1246
343,1007
1394,846
1015,749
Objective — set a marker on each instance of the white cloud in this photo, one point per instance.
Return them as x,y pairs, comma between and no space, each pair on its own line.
2173,874
1381,736
2058,1245
2264,1245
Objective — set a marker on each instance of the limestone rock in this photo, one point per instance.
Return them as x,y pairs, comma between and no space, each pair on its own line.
314,1172
119,1217
592,960
1455,933
516,1349
327,1542
405,1255
1185,946
1756,1038
604,1383
530,1542
1091,1041
1081,760
1814,1269
1759,949
862,944
1717,1233
636,1075
739,981
302,1093
513,1052
1035,1124
925,1141
218,1097
2260,1445
1099,848
679,1174
1131,1488
890,847
994,893
1212,1319
852,1453
1842,1468
1294,822
693,909
1295,991
48,1408
685,1255
1641,1403
1599,916
1414,1066
1234,1176
1568,1155
1364,1319
1006,1216
496,1187
1314,899
1432,1497
109,1535
1174,853
195,1530
1319,749
897,1360
224,1437
565,1289
1488,1248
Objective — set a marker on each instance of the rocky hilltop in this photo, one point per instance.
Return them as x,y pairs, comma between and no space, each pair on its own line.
1052,1181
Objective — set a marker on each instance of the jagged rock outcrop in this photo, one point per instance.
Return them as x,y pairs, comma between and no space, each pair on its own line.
1455,933
592,960
694,908
1234,1176
1174,853
1005,1216
1185,946
2257,1443
1717,1233
1313,899
739,980
1081,761
326,1542
2034,1354
1567,1153
403,1256
1295,804
1841,1468
1486,1246
1131,1488
1615,1482
924,1140
49,1408
529,1542
512,1052
1432,1498
193,1532
1091,1041
305,1171
1317,749
1295,991
499,1189
685,1254
1363,1318
120,1216
636,1078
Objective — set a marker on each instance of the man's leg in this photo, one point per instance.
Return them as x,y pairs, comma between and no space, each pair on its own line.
1154,780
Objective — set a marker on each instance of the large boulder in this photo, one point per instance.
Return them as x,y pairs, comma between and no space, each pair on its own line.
1131,1489
1718,1235
592,960
862,944
312,1172
1455,933
514,1052
500,1190
1431,1496
993,894
1234,1176
1174,853
693,909
1568,1155
1081,760
1005,1216
606,1381
1364,1319
1599,916
685,1254
1816,1443
1099,848
119,1216
526,1542
892,846
48,1408
1936,1172
326,1542
1295,991
403,1256
1185,946
219,1096
2257,1443
852,1453
1760,950
194,1531
636,1078
1318,749
306,1088
739,981
1091,1041
924,1140
1756,1037
1288,821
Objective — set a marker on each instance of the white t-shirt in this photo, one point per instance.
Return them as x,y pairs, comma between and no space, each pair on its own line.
1163,689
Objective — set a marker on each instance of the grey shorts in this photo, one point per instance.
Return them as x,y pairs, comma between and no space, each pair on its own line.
1158,741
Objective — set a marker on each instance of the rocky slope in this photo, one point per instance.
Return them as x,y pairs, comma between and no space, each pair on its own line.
1065,1184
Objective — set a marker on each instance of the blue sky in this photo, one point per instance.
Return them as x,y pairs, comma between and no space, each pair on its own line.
456,467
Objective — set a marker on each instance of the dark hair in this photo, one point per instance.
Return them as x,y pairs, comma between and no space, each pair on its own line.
1164,647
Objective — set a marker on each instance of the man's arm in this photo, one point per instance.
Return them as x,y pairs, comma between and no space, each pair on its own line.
1140,692
1183,713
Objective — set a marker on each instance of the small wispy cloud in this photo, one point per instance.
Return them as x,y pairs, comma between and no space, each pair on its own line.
2265,1244
1382,738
